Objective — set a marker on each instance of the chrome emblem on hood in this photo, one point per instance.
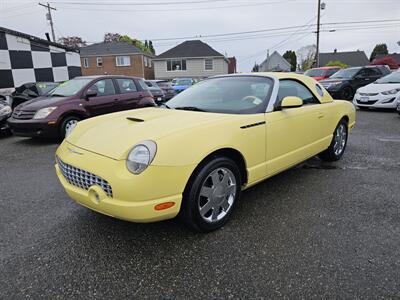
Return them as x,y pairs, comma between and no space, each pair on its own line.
74,151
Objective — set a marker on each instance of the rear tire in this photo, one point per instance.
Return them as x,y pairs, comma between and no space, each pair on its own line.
211,195
338,144
67,123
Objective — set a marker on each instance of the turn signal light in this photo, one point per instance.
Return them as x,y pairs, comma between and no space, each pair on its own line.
164,205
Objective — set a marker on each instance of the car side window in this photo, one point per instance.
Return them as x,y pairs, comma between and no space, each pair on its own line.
126,85
331,72
290,87
103,87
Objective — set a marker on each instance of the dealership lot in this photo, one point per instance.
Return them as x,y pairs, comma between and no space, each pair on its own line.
317,230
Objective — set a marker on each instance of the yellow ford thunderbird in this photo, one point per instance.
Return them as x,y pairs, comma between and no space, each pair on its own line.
194,156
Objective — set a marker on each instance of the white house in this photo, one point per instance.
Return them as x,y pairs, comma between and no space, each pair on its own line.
190,59
275,63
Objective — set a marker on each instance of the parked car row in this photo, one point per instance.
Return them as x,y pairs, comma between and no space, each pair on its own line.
57,112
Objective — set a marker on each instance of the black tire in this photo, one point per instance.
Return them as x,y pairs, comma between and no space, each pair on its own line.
65,123
362,108
347,93
192,200
331,154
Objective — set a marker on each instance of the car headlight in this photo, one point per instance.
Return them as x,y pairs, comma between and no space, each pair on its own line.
5,111
141,156
44,112
336,83
391,92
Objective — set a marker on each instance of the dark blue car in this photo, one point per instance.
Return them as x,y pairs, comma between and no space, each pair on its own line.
181,84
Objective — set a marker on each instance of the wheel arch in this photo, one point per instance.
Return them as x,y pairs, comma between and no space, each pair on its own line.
231,153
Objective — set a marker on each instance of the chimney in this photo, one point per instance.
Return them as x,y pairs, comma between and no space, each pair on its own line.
335,50
48,36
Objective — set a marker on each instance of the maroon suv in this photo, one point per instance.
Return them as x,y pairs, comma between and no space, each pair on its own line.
80,98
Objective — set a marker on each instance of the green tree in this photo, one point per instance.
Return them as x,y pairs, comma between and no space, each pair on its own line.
139,44
291,57
336,63
379,49
256,67
153,51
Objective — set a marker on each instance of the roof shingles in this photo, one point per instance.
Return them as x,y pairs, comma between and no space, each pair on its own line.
112,48
351,58
194,48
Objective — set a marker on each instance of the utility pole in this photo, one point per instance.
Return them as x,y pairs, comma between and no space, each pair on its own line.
321,6
318,25
48,15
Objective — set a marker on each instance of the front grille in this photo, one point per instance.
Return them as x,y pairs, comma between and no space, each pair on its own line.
23,114
367,102
83,179
369,94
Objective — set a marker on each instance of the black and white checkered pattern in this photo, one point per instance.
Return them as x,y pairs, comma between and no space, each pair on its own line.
23,60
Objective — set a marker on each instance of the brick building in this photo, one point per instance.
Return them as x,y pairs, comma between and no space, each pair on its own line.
116,58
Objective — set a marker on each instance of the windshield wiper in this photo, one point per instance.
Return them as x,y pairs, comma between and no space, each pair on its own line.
56,95
192,108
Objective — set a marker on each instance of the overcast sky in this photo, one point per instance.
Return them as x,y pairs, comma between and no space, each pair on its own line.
157,21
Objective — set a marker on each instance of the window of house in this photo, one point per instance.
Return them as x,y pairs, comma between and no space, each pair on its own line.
208,64
103,87
122,61
290,87
86,62
176,65
99,62
126,85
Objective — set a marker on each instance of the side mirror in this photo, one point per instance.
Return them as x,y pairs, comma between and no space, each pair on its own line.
291,102
90,94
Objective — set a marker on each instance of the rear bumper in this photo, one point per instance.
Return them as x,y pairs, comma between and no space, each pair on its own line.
134,197
33,128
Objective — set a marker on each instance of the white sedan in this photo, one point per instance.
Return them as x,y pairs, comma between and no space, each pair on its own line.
383,93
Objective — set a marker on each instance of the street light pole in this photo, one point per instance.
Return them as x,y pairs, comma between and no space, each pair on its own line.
49,8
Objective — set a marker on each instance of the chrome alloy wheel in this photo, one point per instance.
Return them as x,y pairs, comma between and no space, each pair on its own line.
217,195
70,125
340,139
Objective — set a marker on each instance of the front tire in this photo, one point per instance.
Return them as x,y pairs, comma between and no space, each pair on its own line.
211,195
67,124
338,144
347,93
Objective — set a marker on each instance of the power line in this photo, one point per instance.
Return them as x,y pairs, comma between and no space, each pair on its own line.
139,3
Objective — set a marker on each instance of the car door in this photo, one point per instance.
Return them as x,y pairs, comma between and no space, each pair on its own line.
129,94
364,76
105,100
293,134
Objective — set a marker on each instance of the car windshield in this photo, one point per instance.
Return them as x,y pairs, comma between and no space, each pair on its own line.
44,88
183,82
391,78
315,72
236,95
345,73
70,87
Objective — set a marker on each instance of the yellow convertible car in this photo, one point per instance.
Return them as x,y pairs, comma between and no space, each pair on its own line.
194,156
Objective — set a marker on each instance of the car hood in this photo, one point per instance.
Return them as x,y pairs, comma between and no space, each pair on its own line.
113,135
181,87
330,80
41,102
379,87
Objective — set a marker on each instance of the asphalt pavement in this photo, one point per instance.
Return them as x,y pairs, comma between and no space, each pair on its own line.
315,231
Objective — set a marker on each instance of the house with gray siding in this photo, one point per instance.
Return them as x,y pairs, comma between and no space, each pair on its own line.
275,63
190,59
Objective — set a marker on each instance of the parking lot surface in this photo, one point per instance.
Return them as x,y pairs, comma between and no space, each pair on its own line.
316,231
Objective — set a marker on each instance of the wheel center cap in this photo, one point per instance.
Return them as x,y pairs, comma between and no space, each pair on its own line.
219,191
